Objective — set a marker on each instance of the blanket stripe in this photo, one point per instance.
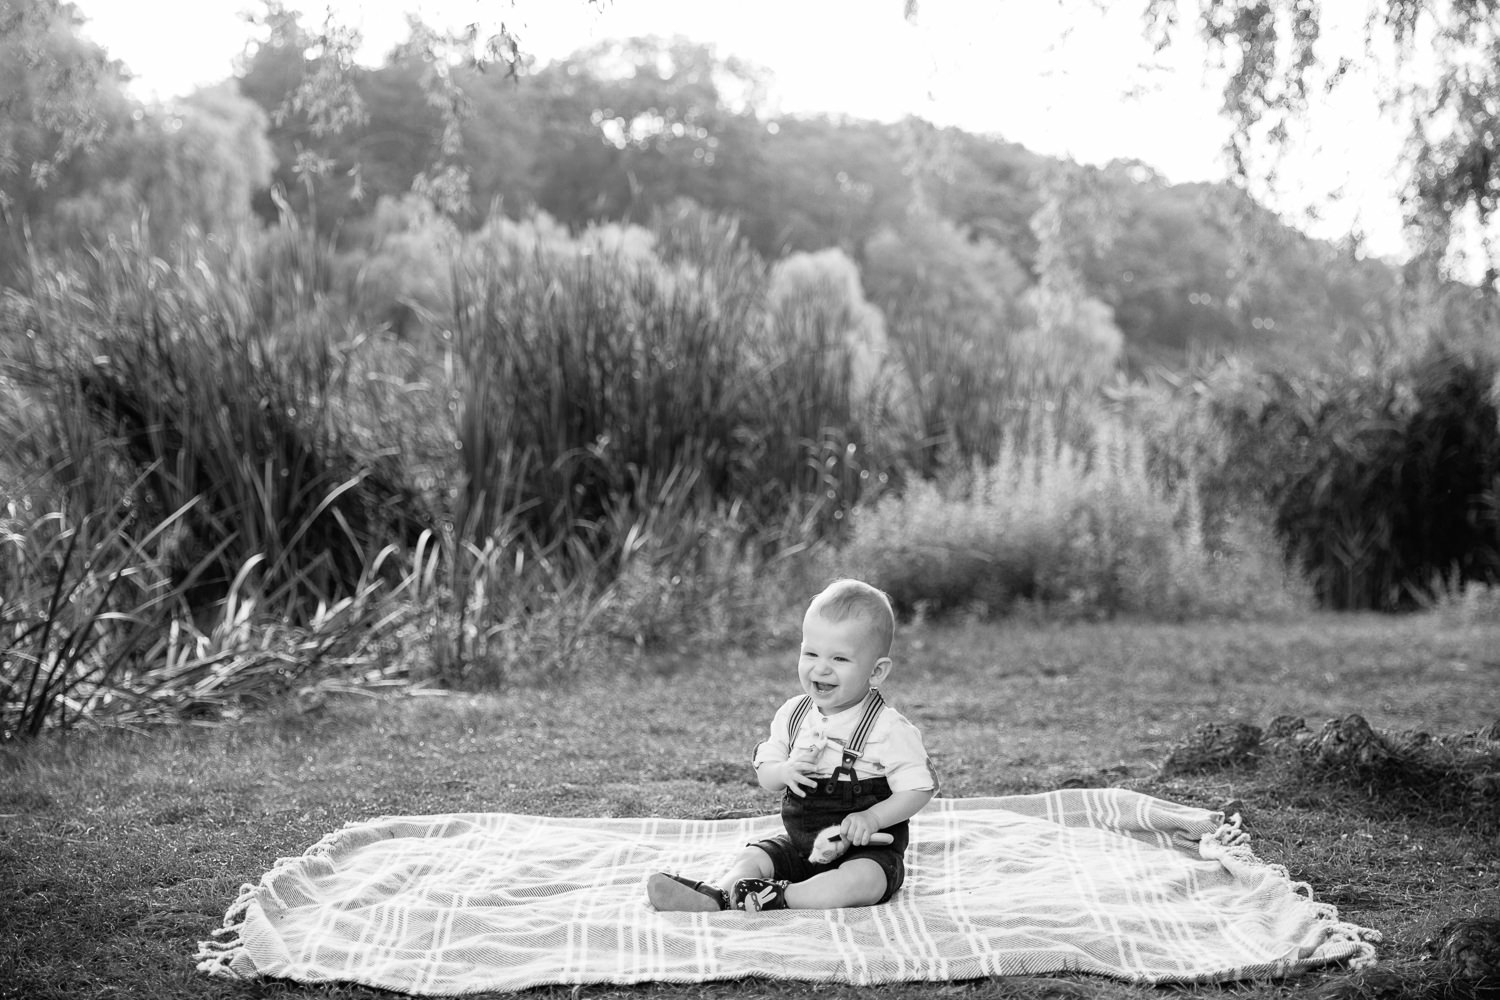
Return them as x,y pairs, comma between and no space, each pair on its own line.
1105,881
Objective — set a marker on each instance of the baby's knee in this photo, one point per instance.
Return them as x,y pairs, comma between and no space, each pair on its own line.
867,881
753,862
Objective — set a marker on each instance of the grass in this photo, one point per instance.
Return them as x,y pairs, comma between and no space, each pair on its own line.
118,851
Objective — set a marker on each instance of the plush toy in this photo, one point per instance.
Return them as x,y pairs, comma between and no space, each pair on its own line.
831,845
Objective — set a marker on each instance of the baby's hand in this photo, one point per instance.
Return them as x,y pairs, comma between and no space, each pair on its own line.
860,828
831,844
796,775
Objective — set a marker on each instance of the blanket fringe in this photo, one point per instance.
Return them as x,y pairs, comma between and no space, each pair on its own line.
217,957
1230,841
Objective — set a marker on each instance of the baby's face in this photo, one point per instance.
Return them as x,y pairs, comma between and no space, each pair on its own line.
839,661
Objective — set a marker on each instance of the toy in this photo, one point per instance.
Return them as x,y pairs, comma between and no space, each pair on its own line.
830,844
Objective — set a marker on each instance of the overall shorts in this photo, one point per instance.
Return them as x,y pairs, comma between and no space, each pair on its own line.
827,804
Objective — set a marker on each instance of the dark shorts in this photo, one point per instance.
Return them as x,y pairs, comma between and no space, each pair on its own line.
792,865
825,805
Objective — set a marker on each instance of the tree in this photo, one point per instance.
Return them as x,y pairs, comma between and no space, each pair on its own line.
59,95
308,86
195,164
837,183
1271,50
629,126
50,87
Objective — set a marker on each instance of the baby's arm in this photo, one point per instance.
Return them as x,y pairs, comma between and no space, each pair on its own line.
901,806
778,765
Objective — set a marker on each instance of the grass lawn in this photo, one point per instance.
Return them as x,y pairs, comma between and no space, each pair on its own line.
118,852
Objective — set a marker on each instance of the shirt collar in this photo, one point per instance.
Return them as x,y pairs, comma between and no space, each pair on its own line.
852,711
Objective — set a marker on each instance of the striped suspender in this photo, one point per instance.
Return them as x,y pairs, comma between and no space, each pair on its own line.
856,745
795,722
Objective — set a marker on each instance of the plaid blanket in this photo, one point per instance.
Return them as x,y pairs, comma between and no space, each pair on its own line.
1105,881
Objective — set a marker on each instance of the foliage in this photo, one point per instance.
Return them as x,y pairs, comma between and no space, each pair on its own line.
78,605
59,95
952,309
193,520
183,376
54,85
1199,270
618,132
601,366
630,126
1383,477
80,162
1074,336
1467,603
828,282
96,628
1271,50
667,101
1066,531
404,276
308,86
190,167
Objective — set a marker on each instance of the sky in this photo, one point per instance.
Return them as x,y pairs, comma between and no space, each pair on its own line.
1072,78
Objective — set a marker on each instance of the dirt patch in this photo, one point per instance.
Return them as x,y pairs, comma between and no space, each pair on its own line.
1456,777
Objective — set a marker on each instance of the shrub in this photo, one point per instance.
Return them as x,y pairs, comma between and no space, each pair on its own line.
1055,528
404,278
1382,477
1465,604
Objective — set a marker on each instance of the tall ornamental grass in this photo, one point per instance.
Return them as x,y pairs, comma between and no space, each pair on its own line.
640,427
590,372
188,522
215,396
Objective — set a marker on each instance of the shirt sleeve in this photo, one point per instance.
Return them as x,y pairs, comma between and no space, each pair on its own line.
775,748
905,757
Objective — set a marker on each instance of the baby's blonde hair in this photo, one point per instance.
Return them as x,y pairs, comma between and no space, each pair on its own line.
847,598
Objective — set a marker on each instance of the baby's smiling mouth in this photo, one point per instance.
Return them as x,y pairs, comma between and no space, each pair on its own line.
823,688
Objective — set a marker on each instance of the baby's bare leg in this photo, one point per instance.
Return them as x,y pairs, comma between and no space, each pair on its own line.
858,882
752,862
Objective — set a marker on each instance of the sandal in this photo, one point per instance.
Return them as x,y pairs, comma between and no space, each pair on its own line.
677,894
756,894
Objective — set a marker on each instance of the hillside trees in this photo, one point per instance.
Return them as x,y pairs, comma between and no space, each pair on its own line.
621,130
630,126
1444,76
624,129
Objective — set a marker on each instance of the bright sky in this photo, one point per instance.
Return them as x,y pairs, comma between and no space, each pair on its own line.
1062,77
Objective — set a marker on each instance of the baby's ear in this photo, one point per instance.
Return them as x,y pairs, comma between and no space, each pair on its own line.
882,670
